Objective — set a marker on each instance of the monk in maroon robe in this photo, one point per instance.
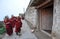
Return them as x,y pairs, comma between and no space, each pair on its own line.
13,20
8,25
18,25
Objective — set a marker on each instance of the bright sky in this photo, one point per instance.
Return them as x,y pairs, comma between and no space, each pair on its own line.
9,7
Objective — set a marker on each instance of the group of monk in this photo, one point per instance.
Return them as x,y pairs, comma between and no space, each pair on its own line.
13,22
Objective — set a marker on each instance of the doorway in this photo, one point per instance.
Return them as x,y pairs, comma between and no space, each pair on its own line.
46,19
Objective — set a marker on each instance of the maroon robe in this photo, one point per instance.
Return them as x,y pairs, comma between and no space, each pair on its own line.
8,25
13,21
18,25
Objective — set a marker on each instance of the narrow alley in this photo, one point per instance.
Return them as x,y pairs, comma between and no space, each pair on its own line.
36,19
25,33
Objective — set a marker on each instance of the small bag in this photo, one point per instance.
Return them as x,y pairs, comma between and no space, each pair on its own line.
2,29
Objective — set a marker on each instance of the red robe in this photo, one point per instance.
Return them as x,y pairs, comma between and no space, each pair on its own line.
13,21
8,25
18,25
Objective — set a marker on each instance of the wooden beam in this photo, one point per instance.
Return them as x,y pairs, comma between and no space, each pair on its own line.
49,4
47,1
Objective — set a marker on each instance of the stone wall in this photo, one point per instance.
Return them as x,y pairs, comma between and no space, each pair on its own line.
56,20
31,16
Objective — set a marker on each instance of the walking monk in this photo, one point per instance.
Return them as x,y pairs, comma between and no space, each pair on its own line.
18,25
8,25
13,20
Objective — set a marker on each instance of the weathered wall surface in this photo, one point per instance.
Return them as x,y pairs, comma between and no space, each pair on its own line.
31,15
56,20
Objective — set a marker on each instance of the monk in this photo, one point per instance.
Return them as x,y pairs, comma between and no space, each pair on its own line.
13,20
18,25
8,25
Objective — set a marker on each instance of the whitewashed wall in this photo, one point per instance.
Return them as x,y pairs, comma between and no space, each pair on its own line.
56,20
31,15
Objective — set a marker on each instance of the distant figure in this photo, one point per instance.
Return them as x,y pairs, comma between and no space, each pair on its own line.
18,25
13,20
22,17
8,25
